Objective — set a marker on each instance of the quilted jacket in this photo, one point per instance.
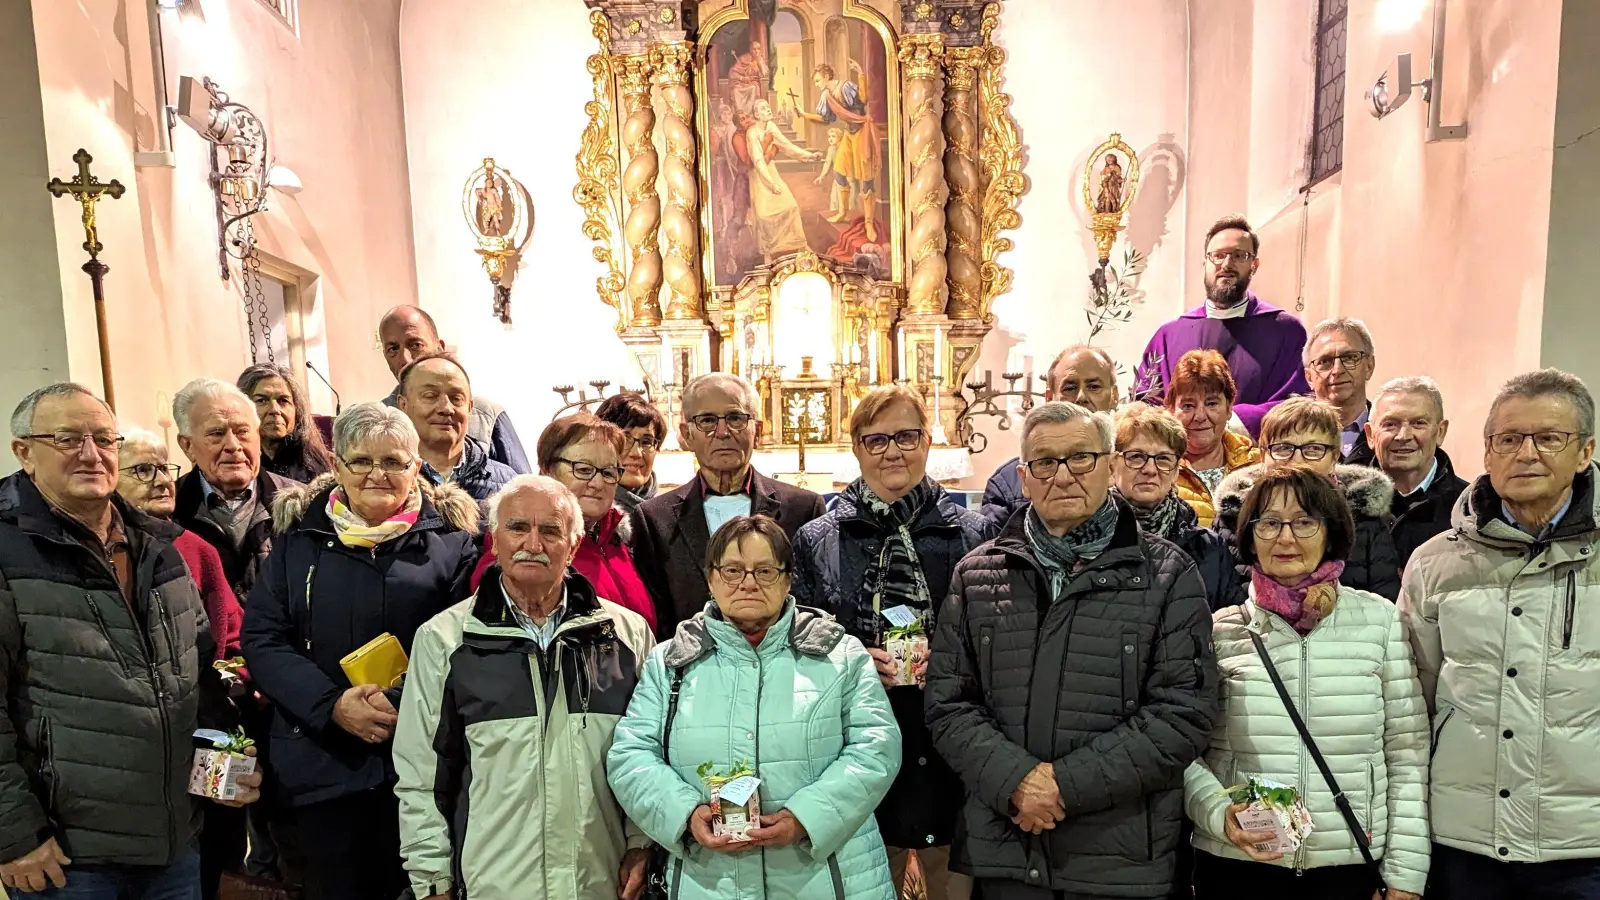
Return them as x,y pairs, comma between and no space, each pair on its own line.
1374,563
1113,683
1506,630
1238,452
1353,682
806,710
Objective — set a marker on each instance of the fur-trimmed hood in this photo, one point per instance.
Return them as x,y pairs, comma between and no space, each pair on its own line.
1368,491
447,503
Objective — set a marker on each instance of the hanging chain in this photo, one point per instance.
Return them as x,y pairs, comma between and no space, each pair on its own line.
255,298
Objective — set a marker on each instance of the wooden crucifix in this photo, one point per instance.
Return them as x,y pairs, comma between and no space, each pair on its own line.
87,191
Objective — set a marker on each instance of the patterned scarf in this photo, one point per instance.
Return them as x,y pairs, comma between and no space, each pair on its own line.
894,577
353,531
1160,520
1063,556
1305,604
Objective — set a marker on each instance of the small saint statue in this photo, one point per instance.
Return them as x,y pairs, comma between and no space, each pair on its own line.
1109,199
491,202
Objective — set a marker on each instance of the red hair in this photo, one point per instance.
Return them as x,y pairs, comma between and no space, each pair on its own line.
1200,372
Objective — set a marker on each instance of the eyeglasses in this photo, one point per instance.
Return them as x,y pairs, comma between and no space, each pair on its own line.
766,576
145,473
1269,527
1135,459
878,444
648,443
1223,257
707,423
72,441
1547,442
361,465
1347,361
1045,467
587,471
1308,452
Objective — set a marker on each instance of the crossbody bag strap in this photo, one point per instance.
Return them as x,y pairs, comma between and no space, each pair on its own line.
672,713
1339,799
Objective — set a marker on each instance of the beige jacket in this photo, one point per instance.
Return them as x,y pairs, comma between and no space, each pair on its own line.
1507,637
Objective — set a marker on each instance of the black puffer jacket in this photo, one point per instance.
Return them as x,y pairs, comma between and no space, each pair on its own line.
1114,685
831,558
1374,563
1212,555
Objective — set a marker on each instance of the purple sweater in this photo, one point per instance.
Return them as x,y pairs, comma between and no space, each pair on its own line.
1262,347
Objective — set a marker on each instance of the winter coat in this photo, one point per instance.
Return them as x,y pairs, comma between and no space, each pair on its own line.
602,558
806,710
242,563
97,705
1355,686
1212,556
1238,452
501,749
297,462
476,473
831,558
1506,631
1002,496
1427,513
1113,684
490,425
317,601
223,611
1373,563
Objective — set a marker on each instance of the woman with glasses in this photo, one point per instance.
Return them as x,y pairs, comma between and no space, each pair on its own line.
645,428
891,541
755,681
365,551
1346,666
1150,446
1201,396
291,445
1302,432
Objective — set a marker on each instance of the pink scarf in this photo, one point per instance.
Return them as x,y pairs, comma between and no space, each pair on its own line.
1305,604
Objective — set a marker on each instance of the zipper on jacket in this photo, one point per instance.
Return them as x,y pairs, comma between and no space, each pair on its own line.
171,630
47,764
1439,732
1305,713
310,574
105,629
166,756
1572,610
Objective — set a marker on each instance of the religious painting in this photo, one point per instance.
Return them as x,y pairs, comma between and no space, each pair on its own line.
799,114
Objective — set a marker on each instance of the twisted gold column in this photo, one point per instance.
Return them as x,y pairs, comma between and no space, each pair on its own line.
963,225
920,54
680,220
639,188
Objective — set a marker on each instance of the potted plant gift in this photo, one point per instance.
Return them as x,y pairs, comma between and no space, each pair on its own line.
219,760
1275,807
735,808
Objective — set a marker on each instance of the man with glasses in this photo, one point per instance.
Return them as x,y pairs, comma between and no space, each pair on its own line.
436,395
1071,682
1261,343
720,426
105,669
1504,616
1339,361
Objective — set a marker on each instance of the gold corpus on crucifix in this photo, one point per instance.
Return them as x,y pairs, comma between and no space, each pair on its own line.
87,191
1108,191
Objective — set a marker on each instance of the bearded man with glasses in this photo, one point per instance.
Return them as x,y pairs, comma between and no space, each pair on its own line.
720,426
1262,343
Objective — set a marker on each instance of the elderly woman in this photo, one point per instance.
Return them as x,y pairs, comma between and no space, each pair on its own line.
291,445
1304,432
1346,666
1202,395
892,539
645,428
755,679
365,551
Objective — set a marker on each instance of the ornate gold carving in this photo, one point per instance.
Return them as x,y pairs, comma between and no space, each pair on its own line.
961,68
924,11
673,60
597,188
963,226
639,188
1108,194
921,55
1000,157
990,21
680,220
666,15
957,21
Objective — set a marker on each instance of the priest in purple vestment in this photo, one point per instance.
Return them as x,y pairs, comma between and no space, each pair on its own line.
1262,343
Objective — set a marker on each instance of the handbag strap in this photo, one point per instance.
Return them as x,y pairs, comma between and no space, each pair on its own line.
672,712
1339,799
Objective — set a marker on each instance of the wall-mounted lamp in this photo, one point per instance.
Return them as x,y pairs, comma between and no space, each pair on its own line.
240,166
1389,94
188,8
1385,97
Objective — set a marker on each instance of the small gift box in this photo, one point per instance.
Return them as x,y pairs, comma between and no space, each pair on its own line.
1275,807
907,643
735,807
219,761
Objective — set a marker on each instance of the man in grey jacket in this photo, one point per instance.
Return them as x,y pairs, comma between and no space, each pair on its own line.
1504,615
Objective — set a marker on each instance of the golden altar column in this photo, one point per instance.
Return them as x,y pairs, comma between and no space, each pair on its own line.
921,54
680,219
963,226
639,189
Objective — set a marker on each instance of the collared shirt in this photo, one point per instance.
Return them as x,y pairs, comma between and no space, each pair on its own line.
117,550
235,517
1505,513
1427,480
213,497
545,633
1352,432
720,508
1235,311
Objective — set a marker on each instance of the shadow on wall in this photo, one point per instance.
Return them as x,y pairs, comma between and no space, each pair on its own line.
1163,170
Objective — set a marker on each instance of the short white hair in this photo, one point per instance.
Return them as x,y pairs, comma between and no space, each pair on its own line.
563,494
141,438
1413,384
752,400
1338,323
22,416
366,421
1060,412
210,390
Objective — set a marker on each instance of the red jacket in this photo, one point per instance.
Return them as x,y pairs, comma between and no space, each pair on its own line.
222,607
603,559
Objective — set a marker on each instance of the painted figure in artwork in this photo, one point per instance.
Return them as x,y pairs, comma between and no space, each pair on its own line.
774,213
748,79
856,164
1109,199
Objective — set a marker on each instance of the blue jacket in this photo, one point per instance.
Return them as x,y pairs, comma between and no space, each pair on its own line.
807,711
479,474
1003,495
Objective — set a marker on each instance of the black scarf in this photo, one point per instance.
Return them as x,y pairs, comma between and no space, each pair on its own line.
1062,555
894,577
1162,519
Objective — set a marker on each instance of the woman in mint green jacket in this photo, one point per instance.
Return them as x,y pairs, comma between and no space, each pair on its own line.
785,691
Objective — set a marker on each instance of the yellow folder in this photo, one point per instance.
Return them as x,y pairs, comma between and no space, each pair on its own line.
381,661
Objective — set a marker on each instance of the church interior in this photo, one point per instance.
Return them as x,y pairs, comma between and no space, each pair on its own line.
820,195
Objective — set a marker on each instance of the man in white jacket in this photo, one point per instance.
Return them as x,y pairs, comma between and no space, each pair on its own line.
1504,615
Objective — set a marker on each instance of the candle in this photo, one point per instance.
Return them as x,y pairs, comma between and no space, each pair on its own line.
938,351
872,359
904,373
1013,360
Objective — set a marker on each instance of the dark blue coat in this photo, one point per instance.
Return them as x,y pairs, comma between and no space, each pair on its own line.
1003,495
317,600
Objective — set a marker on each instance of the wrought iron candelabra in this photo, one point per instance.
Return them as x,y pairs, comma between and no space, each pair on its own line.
987,400
586,403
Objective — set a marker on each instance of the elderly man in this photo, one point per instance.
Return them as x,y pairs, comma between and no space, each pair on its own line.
1504,618
1339,361
408,333
1261,343
437,395
502,773
1081,374
671,531
1405,430
1071,682
105,665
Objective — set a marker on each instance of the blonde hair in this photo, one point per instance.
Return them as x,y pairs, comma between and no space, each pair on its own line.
1139,418
881,398
1300,414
